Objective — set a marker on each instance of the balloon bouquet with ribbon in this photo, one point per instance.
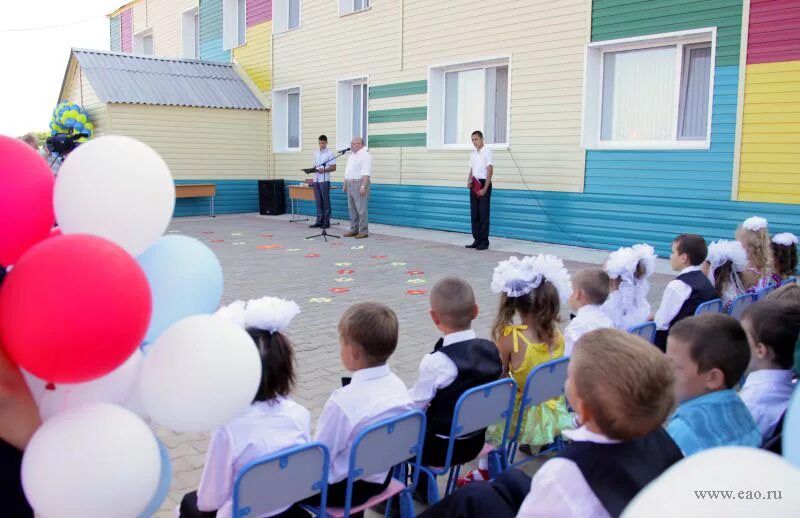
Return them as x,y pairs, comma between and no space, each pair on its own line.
76,308
70,119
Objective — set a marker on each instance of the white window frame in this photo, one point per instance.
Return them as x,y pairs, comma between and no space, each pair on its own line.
138,42
344,110
347,7
591,122
190,40
436,100
280,120
230,25
280,16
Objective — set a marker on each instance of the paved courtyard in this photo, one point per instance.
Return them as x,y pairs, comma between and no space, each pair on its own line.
263,255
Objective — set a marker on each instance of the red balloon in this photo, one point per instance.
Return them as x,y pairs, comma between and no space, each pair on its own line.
74,308
26,199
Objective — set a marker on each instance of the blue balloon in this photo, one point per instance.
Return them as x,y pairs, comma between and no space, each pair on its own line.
78,126
791,431
185,279
70,123
163,483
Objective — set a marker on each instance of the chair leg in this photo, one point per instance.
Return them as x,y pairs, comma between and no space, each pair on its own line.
433,488
496,463
512,452
406,505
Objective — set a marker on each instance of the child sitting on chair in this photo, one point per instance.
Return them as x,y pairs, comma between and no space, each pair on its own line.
709,354
790,293
273,422
628,269
589,292
459,362
754,236
619,449
531,289
368,336
724,264
772,329
784,253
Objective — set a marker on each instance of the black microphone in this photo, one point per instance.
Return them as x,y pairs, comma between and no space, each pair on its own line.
345,150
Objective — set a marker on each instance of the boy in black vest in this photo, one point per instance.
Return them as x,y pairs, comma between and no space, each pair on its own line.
459,362
619,448
689,289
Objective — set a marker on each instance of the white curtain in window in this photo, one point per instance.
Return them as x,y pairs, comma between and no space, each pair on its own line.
639,95
496,105
293,116
693,121
241,21
147,45
196,35
294,14
465,94
359,111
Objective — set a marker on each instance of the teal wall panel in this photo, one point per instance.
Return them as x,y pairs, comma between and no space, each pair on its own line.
211,32
233,197
398,140
417,113
115,35
398,89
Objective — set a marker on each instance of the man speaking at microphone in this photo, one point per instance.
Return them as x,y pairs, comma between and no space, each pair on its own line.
356,184
324,163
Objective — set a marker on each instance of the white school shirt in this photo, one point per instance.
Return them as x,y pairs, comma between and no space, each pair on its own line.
675,295
358,165
437,370
628,306
766,393
373,394
588,318
264,428
558,489
479,161
320,157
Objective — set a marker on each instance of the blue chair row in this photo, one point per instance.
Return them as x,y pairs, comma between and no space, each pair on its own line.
790,280
646,331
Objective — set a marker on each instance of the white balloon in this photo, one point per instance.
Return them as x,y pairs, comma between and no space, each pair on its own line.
756,483
115,387
200,373
117,188
94,460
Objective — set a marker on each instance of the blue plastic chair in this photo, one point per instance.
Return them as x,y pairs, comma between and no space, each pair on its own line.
544,383
646,331
280,479
712,306
477,408
766,290
790,280
384,446
740,303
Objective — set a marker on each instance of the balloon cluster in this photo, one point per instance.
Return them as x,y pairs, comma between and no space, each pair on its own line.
70,118
111,323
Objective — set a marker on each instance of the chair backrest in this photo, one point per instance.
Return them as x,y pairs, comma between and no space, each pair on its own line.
646,331
280,479
482,406
739,303
766,290
790,280
712,306
383,445
544,383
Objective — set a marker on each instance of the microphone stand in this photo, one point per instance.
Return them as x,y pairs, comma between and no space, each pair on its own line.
324,234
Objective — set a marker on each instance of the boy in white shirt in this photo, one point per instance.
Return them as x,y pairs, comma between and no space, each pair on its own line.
772,328
590,288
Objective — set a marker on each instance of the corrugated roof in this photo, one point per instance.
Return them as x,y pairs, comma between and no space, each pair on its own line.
135,79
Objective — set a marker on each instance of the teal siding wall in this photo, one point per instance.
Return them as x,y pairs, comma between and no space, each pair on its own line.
233,197
211,32
116,40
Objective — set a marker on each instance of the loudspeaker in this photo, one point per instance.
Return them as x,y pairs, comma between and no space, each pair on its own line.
271,197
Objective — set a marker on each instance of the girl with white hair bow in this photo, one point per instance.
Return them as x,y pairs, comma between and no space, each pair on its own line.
629,269
725,262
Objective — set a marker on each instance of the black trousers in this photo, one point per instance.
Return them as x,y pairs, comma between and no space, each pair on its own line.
322,196
434,453
189,509
479,212
500,498
13,499
661,340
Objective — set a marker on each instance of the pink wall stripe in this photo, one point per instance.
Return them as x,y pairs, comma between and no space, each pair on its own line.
126,30
774,31
258,11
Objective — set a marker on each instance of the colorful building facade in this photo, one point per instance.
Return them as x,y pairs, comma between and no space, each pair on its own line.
610,121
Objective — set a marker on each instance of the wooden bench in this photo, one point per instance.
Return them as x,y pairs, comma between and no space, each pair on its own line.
197,190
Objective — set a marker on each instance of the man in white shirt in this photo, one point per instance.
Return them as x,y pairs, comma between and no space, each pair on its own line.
356,184
325,164
481,169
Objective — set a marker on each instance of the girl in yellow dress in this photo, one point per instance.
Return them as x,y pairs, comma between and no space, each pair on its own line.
531,290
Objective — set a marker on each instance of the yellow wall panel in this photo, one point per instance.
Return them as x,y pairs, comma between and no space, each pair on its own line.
771,134
255,56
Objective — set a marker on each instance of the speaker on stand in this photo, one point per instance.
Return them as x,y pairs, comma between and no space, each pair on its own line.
271,197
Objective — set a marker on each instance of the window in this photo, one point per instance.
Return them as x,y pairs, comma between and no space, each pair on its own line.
653,92
143,43
351,111
286,120
468,97
352,6
285,15
190,33
234,23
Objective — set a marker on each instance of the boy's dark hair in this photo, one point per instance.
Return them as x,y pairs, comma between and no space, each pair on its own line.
776,324
785,258
594,282
716,341
323,138
477,132
277,364
694,246
373,327
453,299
